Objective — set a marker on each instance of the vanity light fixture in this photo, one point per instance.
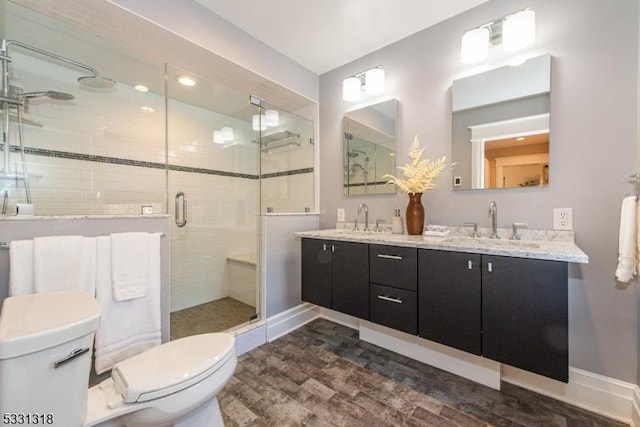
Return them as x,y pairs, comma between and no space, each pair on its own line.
370,81
514,32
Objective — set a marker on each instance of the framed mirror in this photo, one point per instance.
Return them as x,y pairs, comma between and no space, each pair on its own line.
369,149
500,135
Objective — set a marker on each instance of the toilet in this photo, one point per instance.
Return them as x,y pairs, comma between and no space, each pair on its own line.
46,342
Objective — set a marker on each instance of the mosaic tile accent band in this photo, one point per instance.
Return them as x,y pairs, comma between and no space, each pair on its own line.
152,165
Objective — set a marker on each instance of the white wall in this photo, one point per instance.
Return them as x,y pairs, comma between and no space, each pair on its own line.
593,150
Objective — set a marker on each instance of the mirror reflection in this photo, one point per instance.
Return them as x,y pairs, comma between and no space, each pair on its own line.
369,149
500,135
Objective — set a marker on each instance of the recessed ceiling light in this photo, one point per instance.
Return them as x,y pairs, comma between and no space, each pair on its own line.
186,81
520,138
141,88
146,109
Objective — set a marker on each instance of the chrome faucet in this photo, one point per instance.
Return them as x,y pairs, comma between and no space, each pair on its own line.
366,215
493,214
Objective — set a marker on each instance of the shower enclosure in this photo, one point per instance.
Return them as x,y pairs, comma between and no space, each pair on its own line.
210,156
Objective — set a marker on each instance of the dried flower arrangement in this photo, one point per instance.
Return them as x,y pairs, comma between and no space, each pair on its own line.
420,173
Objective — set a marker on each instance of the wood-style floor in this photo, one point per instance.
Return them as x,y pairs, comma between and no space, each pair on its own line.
323,375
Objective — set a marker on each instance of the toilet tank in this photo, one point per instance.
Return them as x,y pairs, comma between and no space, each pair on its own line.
46,341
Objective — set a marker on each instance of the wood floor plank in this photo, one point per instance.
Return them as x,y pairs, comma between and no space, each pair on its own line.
322,375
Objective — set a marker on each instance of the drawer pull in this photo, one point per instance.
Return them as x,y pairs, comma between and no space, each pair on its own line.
386,298
390,257
489,267
470,265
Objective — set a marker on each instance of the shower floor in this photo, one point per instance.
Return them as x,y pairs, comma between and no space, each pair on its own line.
214,316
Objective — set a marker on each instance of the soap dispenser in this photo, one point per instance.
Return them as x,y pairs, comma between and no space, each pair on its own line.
396,222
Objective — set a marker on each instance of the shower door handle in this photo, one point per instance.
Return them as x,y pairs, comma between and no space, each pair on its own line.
182,223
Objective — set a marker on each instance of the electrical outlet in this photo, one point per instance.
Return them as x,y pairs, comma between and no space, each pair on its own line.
342,217
563,219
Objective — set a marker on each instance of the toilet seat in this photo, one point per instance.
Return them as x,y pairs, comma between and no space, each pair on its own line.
170,367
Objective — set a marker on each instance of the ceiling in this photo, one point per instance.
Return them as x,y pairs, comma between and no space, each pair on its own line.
322,35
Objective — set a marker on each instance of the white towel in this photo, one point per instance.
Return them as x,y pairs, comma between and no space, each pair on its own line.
627,240
127,327
21,267
64,262
129,265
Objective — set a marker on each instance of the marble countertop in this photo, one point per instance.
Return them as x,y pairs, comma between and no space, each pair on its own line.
549,246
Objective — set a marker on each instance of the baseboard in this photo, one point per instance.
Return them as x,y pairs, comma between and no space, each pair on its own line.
635,407
596,393
340,318
250,337
289,320
475,368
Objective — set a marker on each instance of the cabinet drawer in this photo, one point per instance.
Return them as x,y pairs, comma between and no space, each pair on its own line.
393,266
395,308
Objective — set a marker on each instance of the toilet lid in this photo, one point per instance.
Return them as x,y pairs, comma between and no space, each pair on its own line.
172,366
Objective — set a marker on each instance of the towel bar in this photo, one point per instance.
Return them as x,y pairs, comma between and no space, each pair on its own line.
7,245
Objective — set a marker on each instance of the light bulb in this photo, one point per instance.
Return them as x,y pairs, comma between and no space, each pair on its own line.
475,45
272,118
351,88
258,122
519,30
217,137
227,133
374,81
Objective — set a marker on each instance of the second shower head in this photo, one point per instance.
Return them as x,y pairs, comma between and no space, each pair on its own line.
97,83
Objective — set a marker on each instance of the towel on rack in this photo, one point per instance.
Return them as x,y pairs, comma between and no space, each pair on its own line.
628,240
64,262
21,267
130,265
126,327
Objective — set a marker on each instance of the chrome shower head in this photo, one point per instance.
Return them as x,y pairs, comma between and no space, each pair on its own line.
51,94
97,83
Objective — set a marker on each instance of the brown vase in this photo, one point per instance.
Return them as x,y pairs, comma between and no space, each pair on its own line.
415,214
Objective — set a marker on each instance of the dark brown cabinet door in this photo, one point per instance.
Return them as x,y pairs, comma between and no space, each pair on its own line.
350,278
316,272
525,314
449,304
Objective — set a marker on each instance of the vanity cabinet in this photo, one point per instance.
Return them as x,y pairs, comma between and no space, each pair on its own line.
393,296
512,310
508,309
335,274
450,299
525,314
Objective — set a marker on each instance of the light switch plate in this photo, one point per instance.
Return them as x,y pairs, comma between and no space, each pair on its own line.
341,215
563,219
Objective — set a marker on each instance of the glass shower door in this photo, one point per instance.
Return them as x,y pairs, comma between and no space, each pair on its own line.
213,191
